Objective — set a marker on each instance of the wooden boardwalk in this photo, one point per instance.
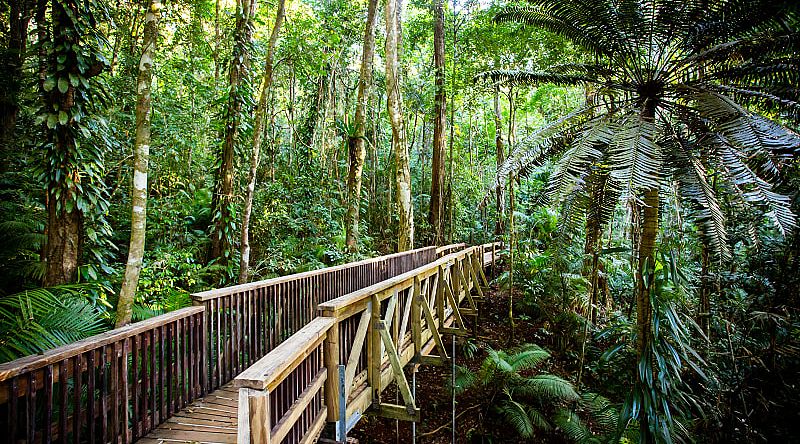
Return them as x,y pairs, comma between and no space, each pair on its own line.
210,420
255,362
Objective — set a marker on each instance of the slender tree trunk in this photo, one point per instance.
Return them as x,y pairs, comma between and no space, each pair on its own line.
356,142
436,216
141,154
222,229
11,58
500,158
394,104
258,137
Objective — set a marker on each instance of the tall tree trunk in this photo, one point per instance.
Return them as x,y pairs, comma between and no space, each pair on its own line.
141,154
394,105
11,58
222,229
65,219
356,141
500,158
258,137
439,122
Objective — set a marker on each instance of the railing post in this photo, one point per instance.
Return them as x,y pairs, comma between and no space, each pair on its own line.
376,358
254,417
331,359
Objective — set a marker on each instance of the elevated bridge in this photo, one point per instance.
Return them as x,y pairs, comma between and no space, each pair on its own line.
273,361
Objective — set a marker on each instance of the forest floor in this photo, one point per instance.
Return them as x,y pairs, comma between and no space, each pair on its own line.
474,422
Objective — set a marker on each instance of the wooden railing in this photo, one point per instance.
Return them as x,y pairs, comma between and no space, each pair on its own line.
365,338
244,322
280,396
113,387
118,386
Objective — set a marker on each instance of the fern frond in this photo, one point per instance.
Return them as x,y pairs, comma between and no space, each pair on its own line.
572,426
518,77
547,387
529,356
516,415
635,157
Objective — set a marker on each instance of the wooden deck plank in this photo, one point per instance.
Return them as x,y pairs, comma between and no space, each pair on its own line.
209,420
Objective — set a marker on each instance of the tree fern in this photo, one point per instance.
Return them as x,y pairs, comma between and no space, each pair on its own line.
33,321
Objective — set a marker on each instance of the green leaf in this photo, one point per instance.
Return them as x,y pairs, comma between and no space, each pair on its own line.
49,84
63,85
62,117
52,119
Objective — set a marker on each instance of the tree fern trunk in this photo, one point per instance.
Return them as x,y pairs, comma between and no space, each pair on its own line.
141,155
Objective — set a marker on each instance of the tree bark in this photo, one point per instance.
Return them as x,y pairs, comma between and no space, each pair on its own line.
64,229
258,137
500,158
12,58
394,105
141,154
356,141
222,229
436,217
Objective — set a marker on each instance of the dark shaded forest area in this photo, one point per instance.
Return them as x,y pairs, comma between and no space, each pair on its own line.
638,160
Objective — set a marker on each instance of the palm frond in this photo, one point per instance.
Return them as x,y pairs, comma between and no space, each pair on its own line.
516,415
572,426
562,23
547,387
571,169
529,356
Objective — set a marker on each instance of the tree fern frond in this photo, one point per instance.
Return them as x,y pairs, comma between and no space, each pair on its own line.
597,40
635,157
518,77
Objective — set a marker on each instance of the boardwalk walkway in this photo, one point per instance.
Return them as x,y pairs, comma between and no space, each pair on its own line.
272,347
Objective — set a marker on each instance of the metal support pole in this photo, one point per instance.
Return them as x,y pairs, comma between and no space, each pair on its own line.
341,429
414,394
453,384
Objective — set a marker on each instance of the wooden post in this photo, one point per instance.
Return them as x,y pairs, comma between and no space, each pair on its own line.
377,352
331,358
253,417
416,318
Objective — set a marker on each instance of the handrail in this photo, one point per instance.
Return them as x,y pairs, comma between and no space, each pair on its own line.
284,358
112,387
364,337
35,362
447,249
220,292
337,307
245,322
